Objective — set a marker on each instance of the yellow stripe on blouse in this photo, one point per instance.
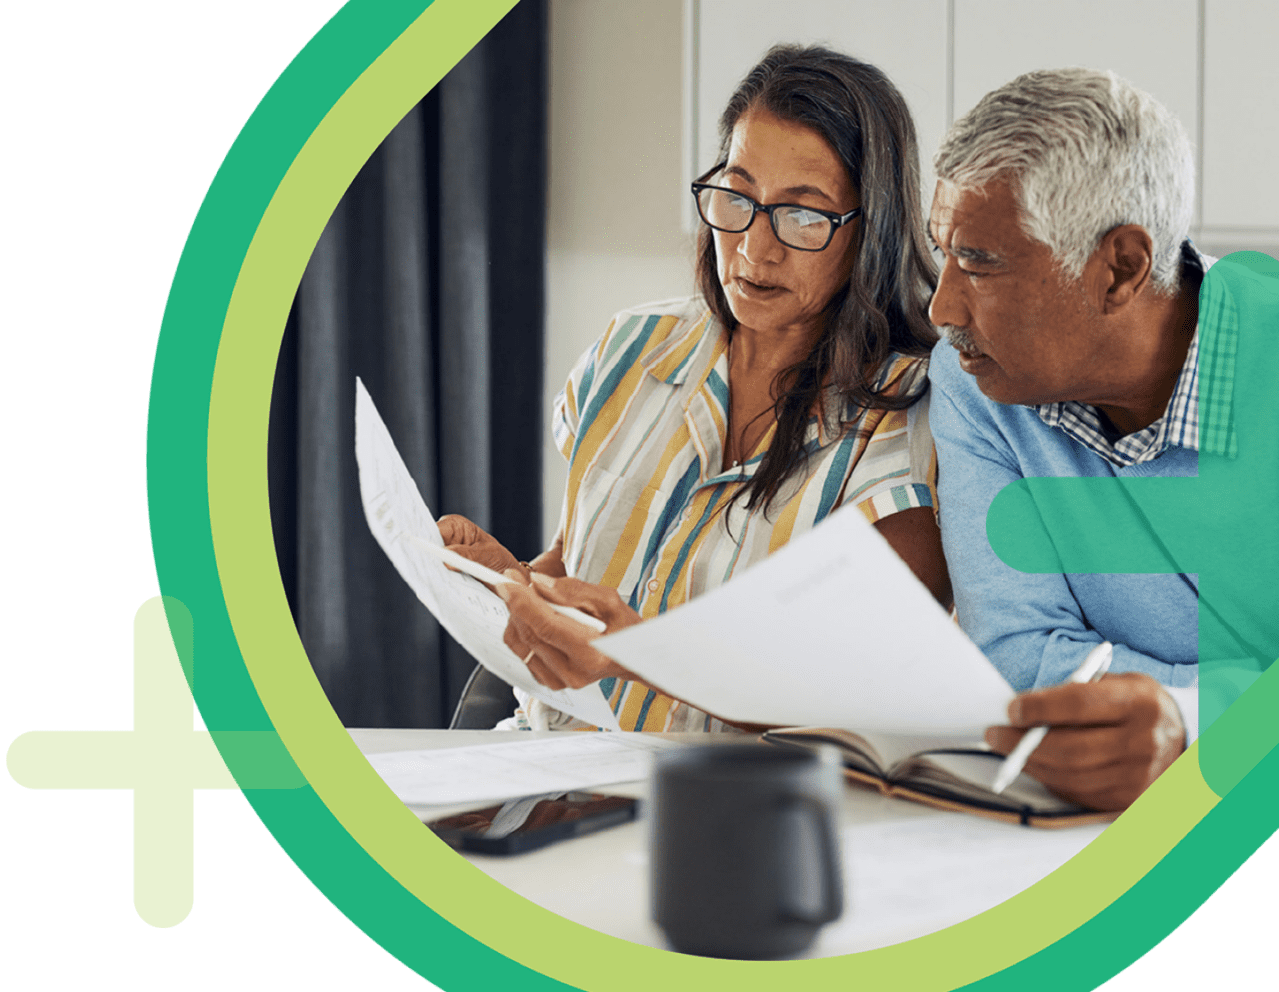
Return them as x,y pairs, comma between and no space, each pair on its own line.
649,506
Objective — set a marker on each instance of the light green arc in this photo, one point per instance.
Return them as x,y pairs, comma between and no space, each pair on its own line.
285,681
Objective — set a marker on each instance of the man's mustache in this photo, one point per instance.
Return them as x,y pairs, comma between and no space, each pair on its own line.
959,338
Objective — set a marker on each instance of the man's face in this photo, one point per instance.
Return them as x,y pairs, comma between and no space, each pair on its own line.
1024,332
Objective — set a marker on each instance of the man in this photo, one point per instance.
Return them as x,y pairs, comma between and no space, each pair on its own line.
1068,300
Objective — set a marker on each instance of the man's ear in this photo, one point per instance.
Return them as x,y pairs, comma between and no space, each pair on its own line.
1126,254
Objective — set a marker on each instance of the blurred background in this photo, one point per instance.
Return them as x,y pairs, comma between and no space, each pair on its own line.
542,186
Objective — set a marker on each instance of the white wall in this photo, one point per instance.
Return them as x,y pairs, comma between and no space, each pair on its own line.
1240,138
908,39
1211,62
614,237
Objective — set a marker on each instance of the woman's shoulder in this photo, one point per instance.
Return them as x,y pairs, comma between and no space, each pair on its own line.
643,332
637,334
902,375
677,306
681,312
899,375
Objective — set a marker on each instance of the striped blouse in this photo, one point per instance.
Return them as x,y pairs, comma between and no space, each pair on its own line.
648,507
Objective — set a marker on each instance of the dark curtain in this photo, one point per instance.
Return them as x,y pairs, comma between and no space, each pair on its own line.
428,284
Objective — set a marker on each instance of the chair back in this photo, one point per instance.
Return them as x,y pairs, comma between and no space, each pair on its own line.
486,699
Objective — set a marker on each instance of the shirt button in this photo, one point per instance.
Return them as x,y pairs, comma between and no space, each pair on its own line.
653,585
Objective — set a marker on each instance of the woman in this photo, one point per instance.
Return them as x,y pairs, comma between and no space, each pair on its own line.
702,434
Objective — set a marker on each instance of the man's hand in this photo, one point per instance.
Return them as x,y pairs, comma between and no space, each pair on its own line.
1109,739
469,541
558,650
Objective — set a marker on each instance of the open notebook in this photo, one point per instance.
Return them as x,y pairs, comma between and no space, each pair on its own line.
948,773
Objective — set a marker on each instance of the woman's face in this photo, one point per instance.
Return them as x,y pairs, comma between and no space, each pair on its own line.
772,288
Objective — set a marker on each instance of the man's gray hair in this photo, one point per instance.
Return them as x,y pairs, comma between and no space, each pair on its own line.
1084,151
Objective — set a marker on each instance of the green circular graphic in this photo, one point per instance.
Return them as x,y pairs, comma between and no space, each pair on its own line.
207,457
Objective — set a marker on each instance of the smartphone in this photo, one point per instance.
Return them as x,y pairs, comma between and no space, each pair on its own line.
530,822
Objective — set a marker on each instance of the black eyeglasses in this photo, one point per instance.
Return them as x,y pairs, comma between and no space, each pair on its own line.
802,228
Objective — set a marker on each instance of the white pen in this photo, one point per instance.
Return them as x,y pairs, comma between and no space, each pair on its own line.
1093,668
485,574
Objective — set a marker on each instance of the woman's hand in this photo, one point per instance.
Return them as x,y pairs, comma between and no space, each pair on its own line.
469,541
556,649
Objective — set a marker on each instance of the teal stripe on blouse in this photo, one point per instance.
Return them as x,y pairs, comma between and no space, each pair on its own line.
674,376
584,388
608,386
643,713
684,551
834,480
869,483
718,388
674,506
618,337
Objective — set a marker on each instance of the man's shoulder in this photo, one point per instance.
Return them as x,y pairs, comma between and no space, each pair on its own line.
963,412
950,380
963,417
943,368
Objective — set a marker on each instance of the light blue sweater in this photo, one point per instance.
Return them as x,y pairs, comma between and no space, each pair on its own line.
1036,628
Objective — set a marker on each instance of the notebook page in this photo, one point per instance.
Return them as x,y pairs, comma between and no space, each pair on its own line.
893,748
1023,791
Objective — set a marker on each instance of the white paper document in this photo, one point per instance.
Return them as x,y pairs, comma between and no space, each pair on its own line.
832,630
912,877
474,616
516,768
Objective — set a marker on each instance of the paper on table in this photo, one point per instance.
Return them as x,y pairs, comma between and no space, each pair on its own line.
915,876
831,630
475,617
516,768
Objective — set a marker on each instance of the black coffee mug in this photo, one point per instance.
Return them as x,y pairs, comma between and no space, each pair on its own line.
744,853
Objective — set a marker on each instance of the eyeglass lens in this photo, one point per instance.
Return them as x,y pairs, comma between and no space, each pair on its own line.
793,226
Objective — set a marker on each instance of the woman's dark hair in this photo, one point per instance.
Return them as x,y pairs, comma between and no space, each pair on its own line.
884,306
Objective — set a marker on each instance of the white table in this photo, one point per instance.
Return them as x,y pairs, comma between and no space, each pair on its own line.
908,869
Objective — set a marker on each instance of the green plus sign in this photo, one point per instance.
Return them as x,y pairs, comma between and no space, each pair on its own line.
162,760
1222,525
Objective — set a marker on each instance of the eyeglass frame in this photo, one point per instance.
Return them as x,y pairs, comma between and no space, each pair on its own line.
837,220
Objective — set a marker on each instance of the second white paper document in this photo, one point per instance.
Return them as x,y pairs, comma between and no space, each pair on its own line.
831,630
